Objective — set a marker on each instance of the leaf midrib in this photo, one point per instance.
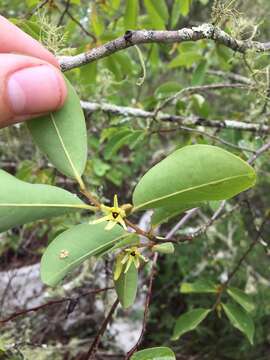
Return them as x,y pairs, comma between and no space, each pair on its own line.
76,173
189,189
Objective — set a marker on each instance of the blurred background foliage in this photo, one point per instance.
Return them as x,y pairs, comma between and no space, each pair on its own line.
122,148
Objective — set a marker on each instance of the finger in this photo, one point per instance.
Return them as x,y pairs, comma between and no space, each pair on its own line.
28,87
14,40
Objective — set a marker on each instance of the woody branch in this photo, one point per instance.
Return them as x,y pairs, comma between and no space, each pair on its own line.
131,38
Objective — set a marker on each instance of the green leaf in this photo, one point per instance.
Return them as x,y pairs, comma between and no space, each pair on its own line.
164,214
175,12
184,7
62,136
21,202
168,88
180,7
189,321
242,298
200,286
156,353
199,73
28,26
158,13
192,174
131,14
240,319
116,142
78,243
96,21
186,59
126,286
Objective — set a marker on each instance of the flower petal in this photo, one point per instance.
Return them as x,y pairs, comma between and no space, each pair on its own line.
110,225
122,222
115,201
97,221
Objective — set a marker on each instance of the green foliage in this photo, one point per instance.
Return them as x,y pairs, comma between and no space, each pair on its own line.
62,136
131,14
157,353
200,286
240,319
21,202
68,250
188,322
122,148
126,286
215,175
241,298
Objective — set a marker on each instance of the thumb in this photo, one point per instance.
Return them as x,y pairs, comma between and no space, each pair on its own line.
29,87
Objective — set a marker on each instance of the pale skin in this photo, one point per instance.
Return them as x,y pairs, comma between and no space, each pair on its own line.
31,82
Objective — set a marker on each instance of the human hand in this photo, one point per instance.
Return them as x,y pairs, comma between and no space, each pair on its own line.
31,83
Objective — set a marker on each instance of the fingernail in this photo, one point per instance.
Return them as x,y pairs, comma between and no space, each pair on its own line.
36,89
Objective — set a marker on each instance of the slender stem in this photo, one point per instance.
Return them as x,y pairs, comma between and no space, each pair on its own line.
94,346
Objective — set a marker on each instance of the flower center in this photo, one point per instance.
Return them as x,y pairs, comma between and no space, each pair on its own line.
133,253
115,214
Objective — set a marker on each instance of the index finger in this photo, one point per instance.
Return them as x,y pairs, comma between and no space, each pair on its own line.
14,40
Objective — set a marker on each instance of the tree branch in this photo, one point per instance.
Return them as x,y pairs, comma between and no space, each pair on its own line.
126,111
131,38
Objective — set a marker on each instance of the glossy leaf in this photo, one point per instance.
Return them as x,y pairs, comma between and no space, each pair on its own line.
189,321
242,298
68,250
200,286
156,353
21,202
193,174
131,14
126,286
240,319
61,135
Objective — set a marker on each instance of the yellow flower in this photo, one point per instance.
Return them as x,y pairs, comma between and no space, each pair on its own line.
115,214
126,258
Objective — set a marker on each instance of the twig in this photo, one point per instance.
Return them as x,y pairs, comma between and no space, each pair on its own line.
53,302
204,31
259,152
36,8
195,89
146,309
135,113
231,76
84,30
63,13
182,222
94,346
203,133
224,286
